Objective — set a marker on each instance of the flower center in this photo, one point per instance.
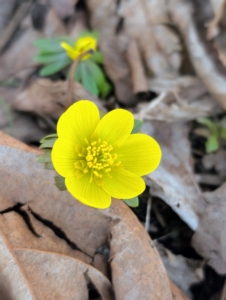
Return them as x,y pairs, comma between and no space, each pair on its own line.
98,158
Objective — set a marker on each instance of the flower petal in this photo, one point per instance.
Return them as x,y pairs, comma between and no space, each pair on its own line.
89,193
123,184
78,122
63,157
141,154
71,52
115,126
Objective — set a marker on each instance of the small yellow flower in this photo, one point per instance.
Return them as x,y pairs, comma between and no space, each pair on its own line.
101,159
82,45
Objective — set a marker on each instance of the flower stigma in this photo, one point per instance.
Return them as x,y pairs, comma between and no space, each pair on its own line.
98,158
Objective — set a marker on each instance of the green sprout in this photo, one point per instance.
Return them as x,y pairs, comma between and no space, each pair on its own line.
59,53
214,132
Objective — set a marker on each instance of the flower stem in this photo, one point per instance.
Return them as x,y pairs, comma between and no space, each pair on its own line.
70,91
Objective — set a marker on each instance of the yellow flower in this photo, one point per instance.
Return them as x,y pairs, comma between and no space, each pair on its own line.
82,45
101,159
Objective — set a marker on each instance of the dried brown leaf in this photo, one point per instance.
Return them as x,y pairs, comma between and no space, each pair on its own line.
158,45
49,98
219,14
6,12
205,65
209,239
91,230
64,8
17,124
10,65
176,292
182,271
185,98
173,181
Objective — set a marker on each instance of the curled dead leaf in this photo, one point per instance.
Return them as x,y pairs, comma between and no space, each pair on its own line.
173,181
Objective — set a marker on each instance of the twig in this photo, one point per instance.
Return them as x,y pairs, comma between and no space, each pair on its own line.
137,71
14,23
71,78
144,112
148,215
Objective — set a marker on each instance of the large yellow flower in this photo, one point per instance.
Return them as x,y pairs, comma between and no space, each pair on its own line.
101,159
82,45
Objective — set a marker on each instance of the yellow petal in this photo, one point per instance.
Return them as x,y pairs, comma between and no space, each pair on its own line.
86,43
89,193
123,184
141,154
78,122
63,157
71,52
115,126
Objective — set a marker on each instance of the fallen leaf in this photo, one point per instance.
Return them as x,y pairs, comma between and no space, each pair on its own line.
20,125
90,230
209,238
64,9
183,272
173,181
177,294
49,98
205,64
6,12
219,14
118,27
10,65
181,99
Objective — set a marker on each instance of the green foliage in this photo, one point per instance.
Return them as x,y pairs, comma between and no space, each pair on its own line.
214,132
60,183
88,72
133,202
92,78
47,143
137,126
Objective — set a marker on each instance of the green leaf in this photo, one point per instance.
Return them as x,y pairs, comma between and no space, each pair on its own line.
105,90
98,75
212,126
223,133
50,136
43,159
137,126
60,183
48,143
55,67
97,57
49,166
133,202
50,58
212,144
87,79
51,46
96,72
